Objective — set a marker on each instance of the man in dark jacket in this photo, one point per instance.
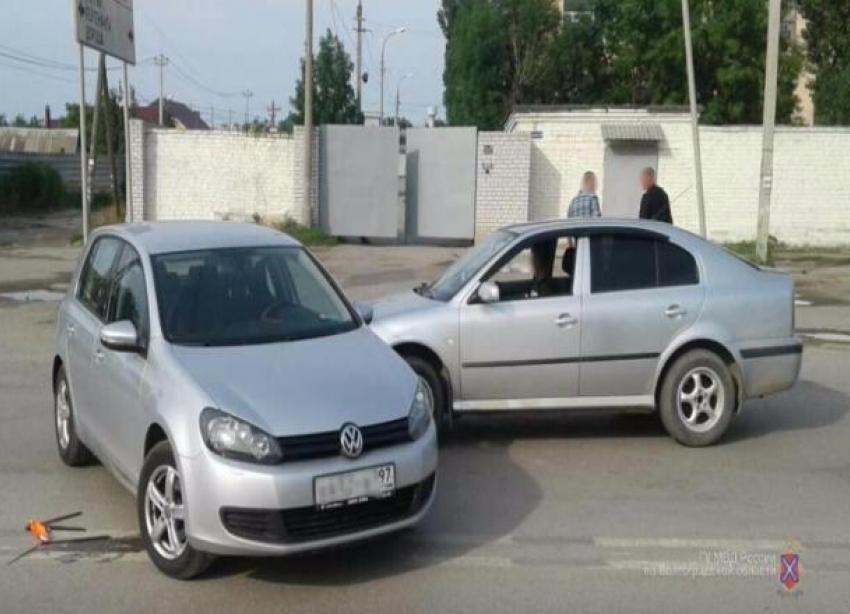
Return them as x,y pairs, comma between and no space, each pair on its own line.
654,204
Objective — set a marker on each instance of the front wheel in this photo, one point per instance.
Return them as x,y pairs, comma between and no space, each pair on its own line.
162,517
434,387
697,398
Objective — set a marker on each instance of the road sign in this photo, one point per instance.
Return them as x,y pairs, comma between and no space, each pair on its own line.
107,26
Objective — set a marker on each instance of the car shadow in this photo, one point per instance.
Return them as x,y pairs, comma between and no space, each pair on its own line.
808,405
482,496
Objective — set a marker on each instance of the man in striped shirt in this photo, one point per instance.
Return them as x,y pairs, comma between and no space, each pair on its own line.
585,203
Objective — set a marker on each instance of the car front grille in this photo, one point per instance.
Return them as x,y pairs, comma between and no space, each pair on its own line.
309,523
322,445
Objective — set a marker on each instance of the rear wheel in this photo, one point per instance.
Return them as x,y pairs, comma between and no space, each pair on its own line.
72,451
697,398
162,517
434,386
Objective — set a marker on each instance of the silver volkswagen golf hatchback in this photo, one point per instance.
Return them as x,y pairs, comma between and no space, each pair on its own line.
596,314
218,371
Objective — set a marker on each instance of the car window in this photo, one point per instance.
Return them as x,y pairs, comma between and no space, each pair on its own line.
467,266
96,276
623,262
540,269
129,295
245,296
676,266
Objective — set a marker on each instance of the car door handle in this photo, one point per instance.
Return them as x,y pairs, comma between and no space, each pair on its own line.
70,328
99,355
565,320
675,311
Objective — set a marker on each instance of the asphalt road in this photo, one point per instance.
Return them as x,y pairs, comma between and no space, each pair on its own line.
536,513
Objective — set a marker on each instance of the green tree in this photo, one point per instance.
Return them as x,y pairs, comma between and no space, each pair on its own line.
3,121
334,101
476,74
611,52
828,53
110,111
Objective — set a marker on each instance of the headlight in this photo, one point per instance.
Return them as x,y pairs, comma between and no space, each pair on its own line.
233,438
419,417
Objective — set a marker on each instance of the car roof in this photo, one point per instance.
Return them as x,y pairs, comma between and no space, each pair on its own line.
600,223
182,236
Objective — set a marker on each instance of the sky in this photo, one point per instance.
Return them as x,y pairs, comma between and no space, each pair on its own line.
219,49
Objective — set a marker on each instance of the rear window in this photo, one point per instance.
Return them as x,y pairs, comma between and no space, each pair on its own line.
623,262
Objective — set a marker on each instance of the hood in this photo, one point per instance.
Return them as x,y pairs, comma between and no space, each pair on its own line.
402,304
303,387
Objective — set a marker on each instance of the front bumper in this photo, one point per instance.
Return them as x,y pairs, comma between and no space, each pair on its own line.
213,484
770,366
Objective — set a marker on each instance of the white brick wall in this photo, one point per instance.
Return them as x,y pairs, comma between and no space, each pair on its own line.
503,179
811,191
216,174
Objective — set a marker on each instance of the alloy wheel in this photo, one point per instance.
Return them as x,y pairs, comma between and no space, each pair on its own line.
700,399
63,414
165,518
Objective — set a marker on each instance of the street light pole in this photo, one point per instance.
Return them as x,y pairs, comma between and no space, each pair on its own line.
307,208
692,95
398,96
774,16
383,65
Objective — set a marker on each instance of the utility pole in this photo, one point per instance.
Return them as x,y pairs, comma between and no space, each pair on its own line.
212,118
84,164
384,68
128,167
692,94
110,153
774,16
398,97
162,61
95,124
247,94
359,29
272,116
307,209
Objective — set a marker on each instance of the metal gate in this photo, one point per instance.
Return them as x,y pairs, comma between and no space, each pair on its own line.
441,183
358,181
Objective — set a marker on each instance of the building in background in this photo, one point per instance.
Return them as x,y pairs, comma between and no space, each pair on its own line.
182,116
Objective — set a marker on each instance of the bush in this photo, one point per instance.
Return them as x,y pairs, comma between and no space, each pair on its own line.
32,187
311,237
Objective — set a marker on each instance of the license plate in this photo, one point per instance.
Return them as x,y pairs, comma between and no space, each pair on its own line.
354,487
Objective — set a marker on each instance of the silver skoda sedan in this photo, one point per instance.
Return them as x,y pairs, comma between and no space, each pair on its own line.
221,375
599,314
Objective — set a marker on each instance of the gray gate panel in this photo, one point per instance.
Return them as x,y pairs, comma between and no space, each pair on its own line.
441,183
358,189
623,163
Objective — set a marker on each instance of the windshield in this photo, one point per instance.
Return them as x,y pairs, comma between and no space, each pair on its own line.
245,296
454,278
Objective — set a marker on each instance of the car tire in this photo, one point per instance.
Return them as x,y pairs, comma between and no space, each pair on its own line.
72,451
162,517
428,373
697,398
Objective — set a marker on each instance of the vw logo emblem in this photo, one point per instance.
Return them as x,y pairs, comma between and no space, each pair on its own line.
351,440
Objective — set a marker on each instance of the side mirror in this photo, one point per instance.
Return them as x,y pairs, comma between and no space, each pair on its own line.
120,337
365,311
488,292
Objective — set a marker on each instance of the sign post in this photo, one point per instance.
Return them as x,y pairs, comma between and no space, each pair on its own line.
105,26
